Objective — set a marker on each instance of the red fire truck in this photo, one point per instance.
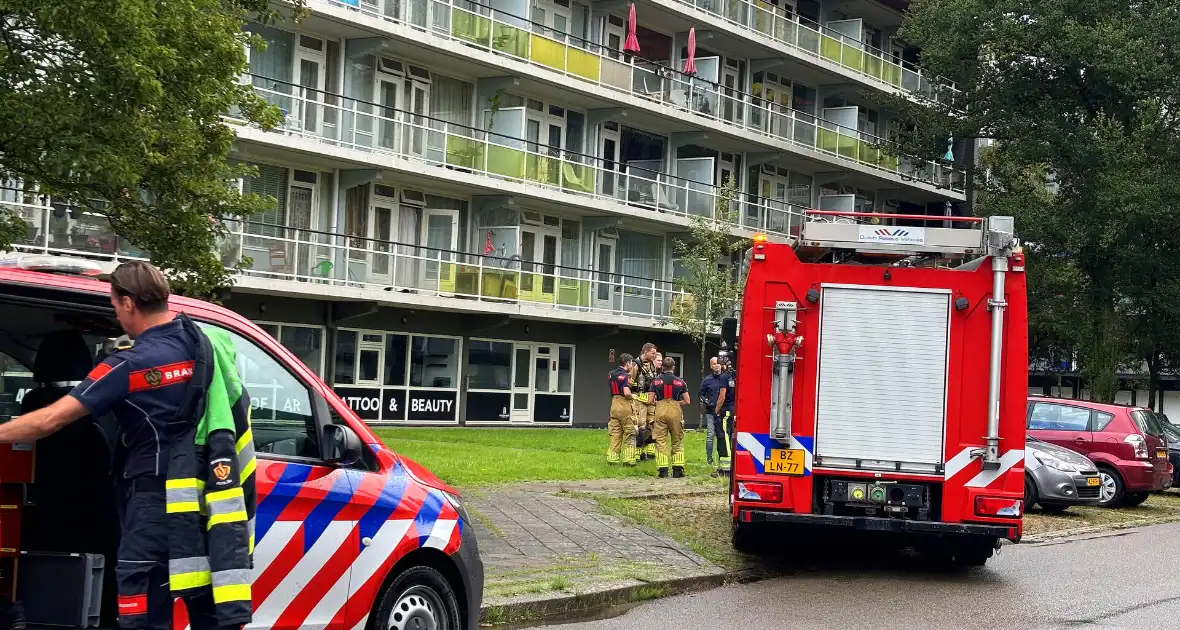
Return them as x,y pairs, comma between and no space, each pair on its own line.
883,372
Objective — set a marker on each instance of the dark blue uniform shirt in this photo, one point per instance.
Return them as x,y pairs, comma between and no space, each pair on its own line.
730,383
619,379
668,386
710,388
144,387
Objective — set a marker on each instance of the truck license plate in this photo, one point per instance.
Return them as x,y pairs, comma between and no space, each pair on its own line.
785,461
1092,481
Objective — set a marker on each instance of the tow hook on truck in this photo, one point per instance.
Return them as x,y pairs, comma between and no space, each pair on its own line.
883,366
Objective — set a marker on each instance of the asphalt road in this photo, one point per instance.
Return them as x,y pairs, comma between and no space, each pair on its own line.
1128,579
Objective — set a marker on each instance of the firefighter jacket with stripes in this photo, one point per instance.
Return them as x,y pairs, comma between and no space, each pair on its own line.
210,484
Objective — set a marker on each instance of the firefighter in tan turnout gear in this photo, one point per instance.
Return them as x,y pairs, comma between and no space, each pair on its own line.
670,394
621,427
644,371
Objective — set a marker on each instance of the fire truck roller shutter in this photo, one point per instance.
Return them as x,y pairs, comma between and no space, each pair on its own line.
882,377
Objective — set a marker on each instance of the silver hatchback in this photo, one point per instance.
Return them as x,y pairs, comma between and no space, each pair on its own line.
1056,477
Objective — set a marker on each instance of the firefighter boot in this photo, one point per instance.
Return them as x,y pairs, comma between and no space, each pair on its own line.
663,473
677,472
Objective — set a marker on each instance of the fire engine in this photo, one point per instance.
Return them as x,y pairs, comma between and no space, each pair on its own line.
883,375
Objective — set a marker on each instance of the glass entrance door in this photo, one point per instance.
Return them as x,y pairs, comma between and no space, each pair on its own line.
539,253
381,260
388,94
604,274
611,167
522,383
310,74
440,234
776,209
418,105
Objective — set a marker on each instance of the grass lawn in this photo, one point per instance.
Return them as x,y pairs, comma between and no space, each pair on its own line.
465,456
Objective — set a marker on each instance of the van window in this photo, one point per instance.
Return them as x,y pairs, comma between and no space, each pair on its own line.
280,404
1051,417
15,381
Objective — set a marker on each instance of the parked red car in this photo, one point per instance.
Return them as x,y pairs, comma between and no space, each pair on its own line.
1127,444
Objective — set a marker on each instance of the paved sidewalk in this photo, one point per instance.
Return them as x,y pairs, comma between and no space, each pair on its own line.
549,547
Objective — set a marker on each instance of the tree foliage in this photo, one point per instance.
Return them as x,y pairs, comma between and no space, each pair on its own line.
706,278
117,106
1081,97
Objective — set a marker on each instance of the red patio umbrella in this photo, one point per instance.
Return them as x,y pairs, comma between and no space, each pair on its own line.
690,62
632,43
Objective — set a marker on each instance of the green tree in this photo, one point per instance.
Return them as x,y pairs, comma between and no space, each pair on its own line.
1067,90
117,106
710,292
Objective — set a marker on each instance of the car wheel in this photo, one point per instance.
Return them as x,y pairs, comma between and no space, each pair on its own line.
1030,493
1136,499
1054,509
975,553
1112,488
418,599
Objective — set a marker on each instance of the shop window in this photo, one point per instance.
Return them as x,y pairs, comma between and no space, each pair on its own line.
395,377
565,369
281,412
305,342
489,365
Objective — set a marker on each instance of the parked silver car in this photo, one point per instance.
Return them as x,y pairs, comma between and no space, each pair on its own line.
1056,477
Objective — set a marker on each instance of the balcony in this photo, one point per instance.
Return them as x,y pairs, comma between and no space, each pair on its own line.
837,42
371,127
699,96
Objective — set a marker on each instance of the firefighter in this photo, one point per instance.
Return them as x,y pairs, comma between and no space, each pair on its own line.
621,427
713,385
186,460
670,394
725,414
645,371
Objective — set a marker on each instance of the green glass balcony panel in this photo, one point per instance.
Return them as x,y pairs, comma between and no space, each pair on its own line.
511,41
467,280
584,64
547,52
577,177
533,288
853,57
829,140
573,293
874,66
542,169
465,152
891,74
506,161
830,48
470,27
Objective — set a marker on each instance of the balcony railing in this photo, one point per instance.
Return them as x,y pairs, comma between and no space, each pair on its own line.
322,258
810,38
506,34
372,127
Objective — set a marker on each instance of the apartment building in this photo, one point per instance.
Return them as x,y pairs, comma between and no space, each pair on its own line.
478,202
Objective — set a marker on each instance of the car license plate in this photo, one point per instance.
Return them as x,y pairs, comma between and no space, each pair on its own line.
1092,481
785,461
1161,453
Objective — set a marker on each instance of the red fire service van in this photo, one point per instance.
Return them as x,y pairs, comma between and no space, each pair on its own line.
349,534
883,373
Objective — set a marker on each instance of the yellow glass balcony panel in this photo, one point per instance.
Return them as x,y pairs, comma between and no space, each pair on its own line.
470,27
584,64
506,161
547,52
577,177
511,40
465,152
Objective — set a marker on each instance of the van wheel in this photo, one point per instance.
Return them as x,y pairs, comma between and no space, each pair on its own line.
1112,489
418,599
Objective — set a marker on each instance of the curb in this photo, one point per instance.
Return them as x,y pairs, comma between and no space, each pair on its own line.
589,604
1095,529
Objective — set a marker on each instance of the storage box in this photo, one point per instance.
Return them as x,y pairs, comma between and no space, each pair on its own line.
60,589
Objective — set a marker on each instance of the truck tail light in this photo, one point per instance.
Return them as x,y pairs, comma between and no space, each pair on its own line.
995,506
760,491
1139,444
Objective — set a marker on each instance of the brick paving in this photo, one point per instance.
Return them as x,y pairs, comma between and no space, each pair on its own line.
547,540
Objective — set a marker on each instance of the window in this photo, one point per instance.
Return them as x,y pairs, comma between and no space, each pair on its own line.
489,365
434,362
395,377
15,381
1052,417
679,358
1102,420
281,412
305,342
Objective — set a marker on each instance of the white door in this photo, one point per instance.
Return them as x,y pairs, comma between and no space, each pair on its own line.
440,235
731,94
522,383
551,18
612,183
775,209
539,253
301,203
417,103
381,227
604,274
614,36
389,90
311,77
